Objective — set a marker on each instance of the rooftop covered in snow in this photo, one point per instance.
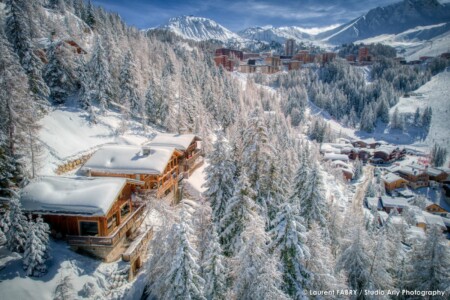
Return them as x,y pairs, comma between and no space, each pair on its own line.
334,156
125,159
391,177
387,201
90,196
178,141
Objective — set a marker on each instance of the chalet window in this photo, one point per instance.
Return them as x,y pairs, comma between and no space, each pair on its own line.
125,210
88,228
112,222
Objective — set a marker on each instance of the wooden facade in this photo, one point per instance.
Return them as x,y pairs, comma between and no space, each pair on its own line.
162,184
62,225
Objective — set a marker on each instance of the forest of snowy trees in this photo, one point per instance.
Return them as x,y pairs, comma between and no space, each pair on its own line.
266,228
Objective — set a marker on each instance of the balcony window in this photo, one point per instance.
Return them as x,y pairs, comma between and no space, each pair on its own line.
125,210
88,228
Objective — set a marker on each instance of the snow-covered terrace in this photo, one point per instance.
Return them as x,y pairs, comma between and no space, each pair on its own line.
87,196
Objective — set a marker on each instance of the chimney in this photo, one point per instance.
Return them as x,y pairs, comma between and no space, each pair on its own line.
88,172
146,150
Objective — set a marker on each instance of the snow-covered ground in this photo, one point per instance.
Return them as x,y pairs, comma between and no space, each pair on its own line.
435,94
66,133
106,278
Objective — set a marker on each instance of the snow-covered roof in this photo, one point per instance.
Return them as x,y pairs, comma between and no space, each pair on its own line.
406,193
414,233
391,177
410,171
91,196
340,163
125,159
328,148
433,219
334,156
434,171
387,201
178,141
373,202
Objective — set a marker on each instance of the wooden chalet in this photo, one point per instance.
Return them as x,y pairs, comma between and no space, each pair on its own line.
416,177
156,167
360,154
359,144
95,215
187,144
436,174
393,181
389,153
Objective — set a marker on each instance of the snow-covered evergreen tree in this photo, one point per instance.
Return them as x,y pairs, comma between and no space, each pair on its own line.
257,152
288,243
128,95
256,271
183,279
214,270
55,74
240,210
355,262
358,167
300,179
429,267
219,178
321,263
17,233
313,206
100,87
36,248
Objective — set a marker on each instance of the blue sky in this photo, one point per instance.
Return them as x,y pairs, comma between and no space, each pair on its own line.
240,14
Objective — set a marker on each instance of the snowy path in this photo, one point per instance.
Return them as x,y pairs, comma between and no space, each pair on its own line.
361,190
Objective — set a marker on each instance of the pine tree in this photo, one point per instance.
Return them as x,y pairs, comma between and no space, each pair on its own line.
36,248
183,279
321,263
313,206
18,116
396,122
19,34
355,261
129,97
219,178
288,243
429,268
257,152
300,179
257,275
100,87
55,75
17,233
240,209
214,270
358,169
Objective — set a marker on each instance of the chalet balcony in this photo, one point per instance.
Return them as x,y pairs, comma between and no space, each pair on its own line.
133,221
190,162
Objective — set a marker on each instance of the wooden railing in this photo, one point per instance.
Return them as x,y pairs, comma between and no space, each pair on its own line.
137,249
189,162
112,239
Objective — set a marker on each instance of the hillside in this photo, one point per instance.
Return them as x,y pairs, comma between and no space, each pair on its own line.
391,19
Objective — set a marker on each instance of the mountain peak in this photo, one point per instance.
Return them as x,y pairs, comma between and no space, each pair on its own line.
198,28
